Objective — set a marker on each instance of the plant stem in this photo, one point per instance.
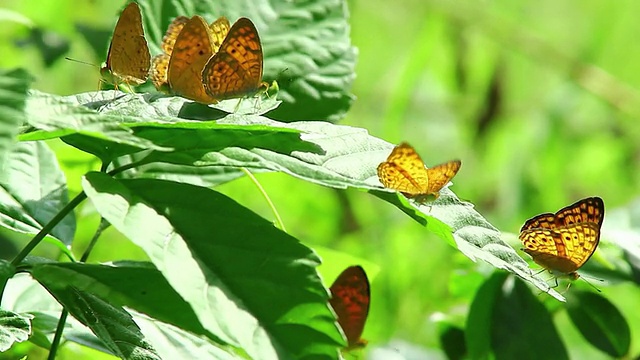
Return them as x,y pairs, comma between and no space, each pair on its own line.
48,227
103,225
278,220
58,336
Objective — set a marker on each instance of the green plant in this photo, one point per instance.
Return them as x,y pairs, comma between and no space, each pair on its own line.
221,281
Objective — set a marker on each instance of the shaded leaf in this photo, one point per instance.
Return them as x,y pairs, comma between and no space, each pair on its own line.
13,93
600,322
452,342
508,321
111,324
136,285
33,190
218,255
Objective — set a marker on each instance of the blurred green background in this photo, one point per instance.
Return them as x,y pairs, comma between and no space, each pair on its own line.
539,99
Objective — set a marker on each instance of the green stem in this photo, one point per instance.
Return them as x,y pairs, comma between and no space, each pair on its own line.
279,222
58,336
48,227
103,225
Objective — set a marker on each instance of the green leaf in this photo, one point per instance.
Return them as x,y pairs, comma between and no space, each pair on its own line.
33,190
26,295
112,324
478,327
218,255
136,285
14,328
165,337
50,116
13,93
6,272
452,341
507,320
306,45
325,154
600,322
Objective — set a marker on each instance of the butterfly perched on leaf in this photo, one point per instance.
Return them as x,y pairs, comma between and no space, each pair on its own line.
564,241
350,298
405,171
128,59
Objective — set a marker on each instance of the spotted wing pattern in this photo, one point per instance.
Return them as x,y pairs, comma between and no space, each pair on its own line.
405,171
128,59
564,241
236,69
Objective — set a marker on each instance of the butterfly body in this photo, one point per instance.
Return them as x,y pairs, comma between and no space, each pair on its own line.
564,241
128,59
350,298
405,171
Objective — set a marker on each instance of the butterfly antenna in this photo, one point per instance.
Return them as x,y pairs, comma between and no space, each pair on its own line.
81,62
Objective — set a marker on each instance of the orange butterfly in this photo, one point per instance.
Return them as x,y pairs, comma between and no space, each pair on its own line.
564,241
405,171
187,46
128,59
160,63
236,69
350,297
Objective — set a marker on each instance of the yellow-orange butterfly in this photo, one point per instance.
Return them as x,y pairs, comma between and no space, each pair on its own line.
194,45
564,241
128,59
236,69
160,63
350,298
405,171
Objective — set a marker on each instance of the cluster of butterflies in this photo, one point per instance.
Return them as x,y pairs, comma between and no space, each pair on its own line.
200,61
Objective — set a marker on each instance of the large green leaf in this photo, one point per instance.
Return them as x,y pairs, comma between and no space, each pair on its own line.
600,322
33,190
319,152
13,93
51,116
306,46
250,284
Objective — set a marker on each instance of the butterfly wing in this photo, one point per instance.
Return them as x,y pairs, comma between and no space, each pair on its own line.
404,171
350,298
219,29
128,60
191,51
586,210
440,175
236,69
160,63
565,241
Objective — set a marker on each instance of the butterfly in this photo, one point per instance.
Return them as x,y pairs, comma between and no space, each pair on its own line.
128,59
350,297
187,46
405,171
160,63
236,69
564,241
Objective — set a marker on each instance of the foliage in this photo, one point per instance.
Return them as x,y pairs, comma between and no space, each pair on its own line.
196,272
